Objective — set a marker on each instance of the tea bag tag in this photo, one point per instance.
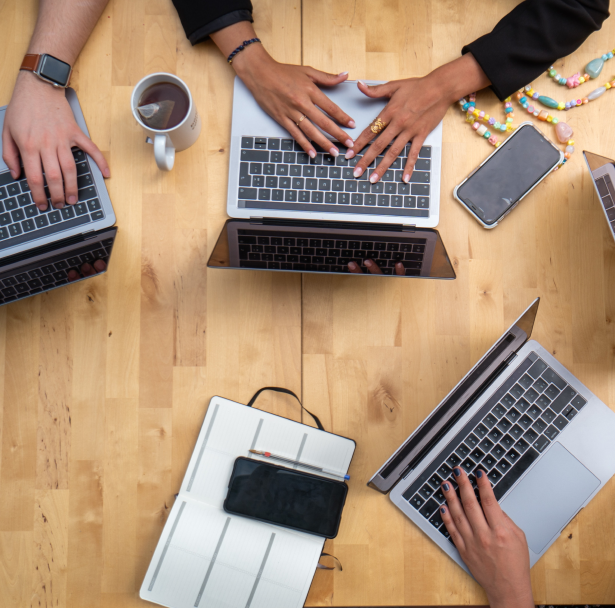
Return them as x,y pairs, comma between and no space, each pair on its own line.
156,115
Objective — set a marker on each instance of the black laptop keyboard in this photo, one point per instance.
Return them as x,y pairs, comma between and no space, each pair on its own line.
37,277
503,439
607,194
328,255
277,174
20,219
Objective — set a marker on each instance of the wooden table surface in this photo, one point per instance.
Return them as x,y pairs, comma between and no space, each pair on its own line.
104,384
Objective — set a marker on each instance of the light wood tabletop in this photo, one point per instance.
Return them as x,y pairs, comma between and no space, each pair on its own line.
104,384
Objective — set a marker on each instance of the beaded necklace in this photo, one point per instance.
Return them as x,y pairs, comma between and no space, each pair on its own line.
563,131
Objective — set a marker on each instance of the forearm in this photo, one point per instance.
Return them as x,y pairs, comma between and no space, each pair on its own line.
63,26
459,78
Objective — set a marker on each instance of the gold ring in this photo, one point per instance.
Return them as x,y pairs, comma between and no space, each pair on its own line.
378,126
302,117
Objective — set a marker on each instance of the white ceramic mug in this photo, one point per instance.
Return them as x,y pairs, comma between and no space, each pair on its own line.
168,141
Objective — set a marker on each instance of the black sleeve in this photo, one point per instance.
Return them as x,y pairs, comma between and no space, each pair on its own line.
200,18
532,37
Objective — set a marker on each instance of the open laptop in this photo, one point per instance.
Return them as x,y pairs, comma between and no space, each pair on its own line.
326,215
544,440
602,171
39,249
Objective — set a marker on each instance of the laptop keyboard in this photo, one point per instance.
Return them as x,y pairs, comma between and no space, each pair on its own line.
37,277
276,173
20,219
328,255
607,194
508,434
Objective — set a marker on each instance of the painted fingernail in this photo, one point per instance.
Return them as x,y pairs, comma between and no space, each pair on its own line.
349,153
406,178
352,124
106,173
442,510
342,73
479,473
373,178
446,487
368,262
72,199
358,172
334,152
349,143
312,154
361,82
352,265
457,471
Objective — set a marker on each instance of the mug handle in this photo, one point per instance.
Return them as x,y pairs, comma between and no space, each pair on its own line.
165,155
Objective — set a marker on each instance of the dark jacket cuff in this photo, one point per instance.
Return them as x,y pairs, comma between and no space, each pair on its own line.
218,24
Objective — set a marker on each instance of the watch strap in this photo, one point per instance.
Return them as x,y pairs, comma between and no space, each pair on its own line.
30,62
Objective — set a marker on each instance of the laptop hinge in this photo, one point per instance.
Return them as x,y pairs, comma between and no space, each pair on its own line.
407,226
256,220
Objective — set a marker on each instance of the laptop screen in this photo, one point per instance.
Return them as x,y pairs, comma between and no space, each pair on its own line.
332,248
50,266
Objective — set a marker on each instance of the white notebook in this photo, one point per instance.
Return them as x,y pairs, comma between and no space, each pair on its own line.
207,558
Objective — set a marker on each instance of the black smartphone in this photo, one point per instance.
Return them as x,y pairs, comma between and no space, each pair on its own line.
497,186
286,497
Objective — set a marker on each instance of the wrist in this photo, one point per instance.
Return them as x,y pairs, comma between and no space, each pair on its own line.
30,81
461,77
521,598
252,57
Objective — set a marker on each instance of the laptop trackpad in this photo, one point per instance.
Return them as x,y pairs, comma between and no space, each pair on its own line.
549,496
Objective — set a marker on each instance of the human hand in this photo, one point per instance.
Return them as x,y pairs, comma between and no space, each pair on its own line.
374,268
415,107
490,544
87,270
288,92
39,125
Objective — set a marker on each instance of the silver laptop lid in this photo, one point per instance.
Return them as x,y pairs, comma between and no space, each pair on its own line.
602,170
456,403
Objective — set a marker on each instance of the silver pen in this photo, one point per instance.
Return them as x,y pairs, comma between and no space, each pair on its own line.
303,464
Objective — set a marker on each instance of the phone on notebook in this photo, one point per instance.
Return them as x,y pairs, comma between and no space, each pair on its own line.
286,497
516,167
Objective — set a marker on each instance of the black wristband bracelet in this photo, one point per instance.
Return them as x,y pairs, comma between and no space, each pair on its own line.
241,47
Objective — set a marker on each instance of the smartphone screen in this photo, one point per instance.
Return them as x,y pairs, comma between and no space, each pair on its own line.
516,167
286,497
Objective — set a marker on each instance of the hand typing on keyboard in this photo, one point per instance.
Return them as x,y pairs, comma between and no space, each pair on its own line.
288,93
489,542
415,107
374,268
87,270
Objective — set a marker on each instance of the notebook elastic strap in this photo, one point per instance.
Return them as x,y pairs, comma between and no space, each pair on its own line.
277,389
323,567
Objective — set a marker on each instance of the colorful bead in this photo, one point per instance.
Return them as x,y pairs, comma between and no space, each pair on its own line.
476,125
491,121
555,120
569,149
493,140
594,67
547,101
481,130
486,134
543,115
571,142
596,93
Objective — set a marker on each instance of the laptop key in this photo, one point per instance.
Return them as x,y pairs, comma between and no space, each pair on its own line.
534,412
512,456
548,415
551,432
416,501
444,471
543,402
463,450
531,395
503,466
13,189
436,519
426,491
539,426
530,436
489,420
552,391
516,471
481,430
569,412
485,445
499,410
516,391
550,376
495,435
14,230
435,481
453,461
521,445
488,462
504,425
578,402
537,369
516,431
428,508
540,385
541,443
494,476
563,399
498,451
477,454
471,440
513,415
507,442
526,381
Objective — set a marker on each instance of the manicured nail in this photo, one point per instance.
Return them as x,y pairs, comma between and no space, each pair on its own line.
349,153
358,172
72,199
106,173
446,487
442,510
373,178
334,152
343,74
42,207
479,473
406,178
59,205
361,82
352,265
457,471
14,174
368,263
352,124
312,154
349,143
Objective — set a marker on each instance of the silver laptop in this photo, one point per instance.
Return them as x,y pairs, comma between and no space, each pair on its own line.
545,441
602,171
39,249
270,176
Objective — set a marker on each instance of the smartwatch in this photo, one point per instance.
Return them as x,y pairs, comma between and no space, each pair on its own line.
48,68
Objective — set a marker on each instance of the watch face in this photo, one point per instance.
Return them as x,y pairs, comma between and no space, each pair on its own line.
55,70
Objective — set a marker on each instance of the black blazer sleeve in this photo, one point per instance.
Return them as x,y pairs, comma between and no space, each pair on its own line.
532,37
201,18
